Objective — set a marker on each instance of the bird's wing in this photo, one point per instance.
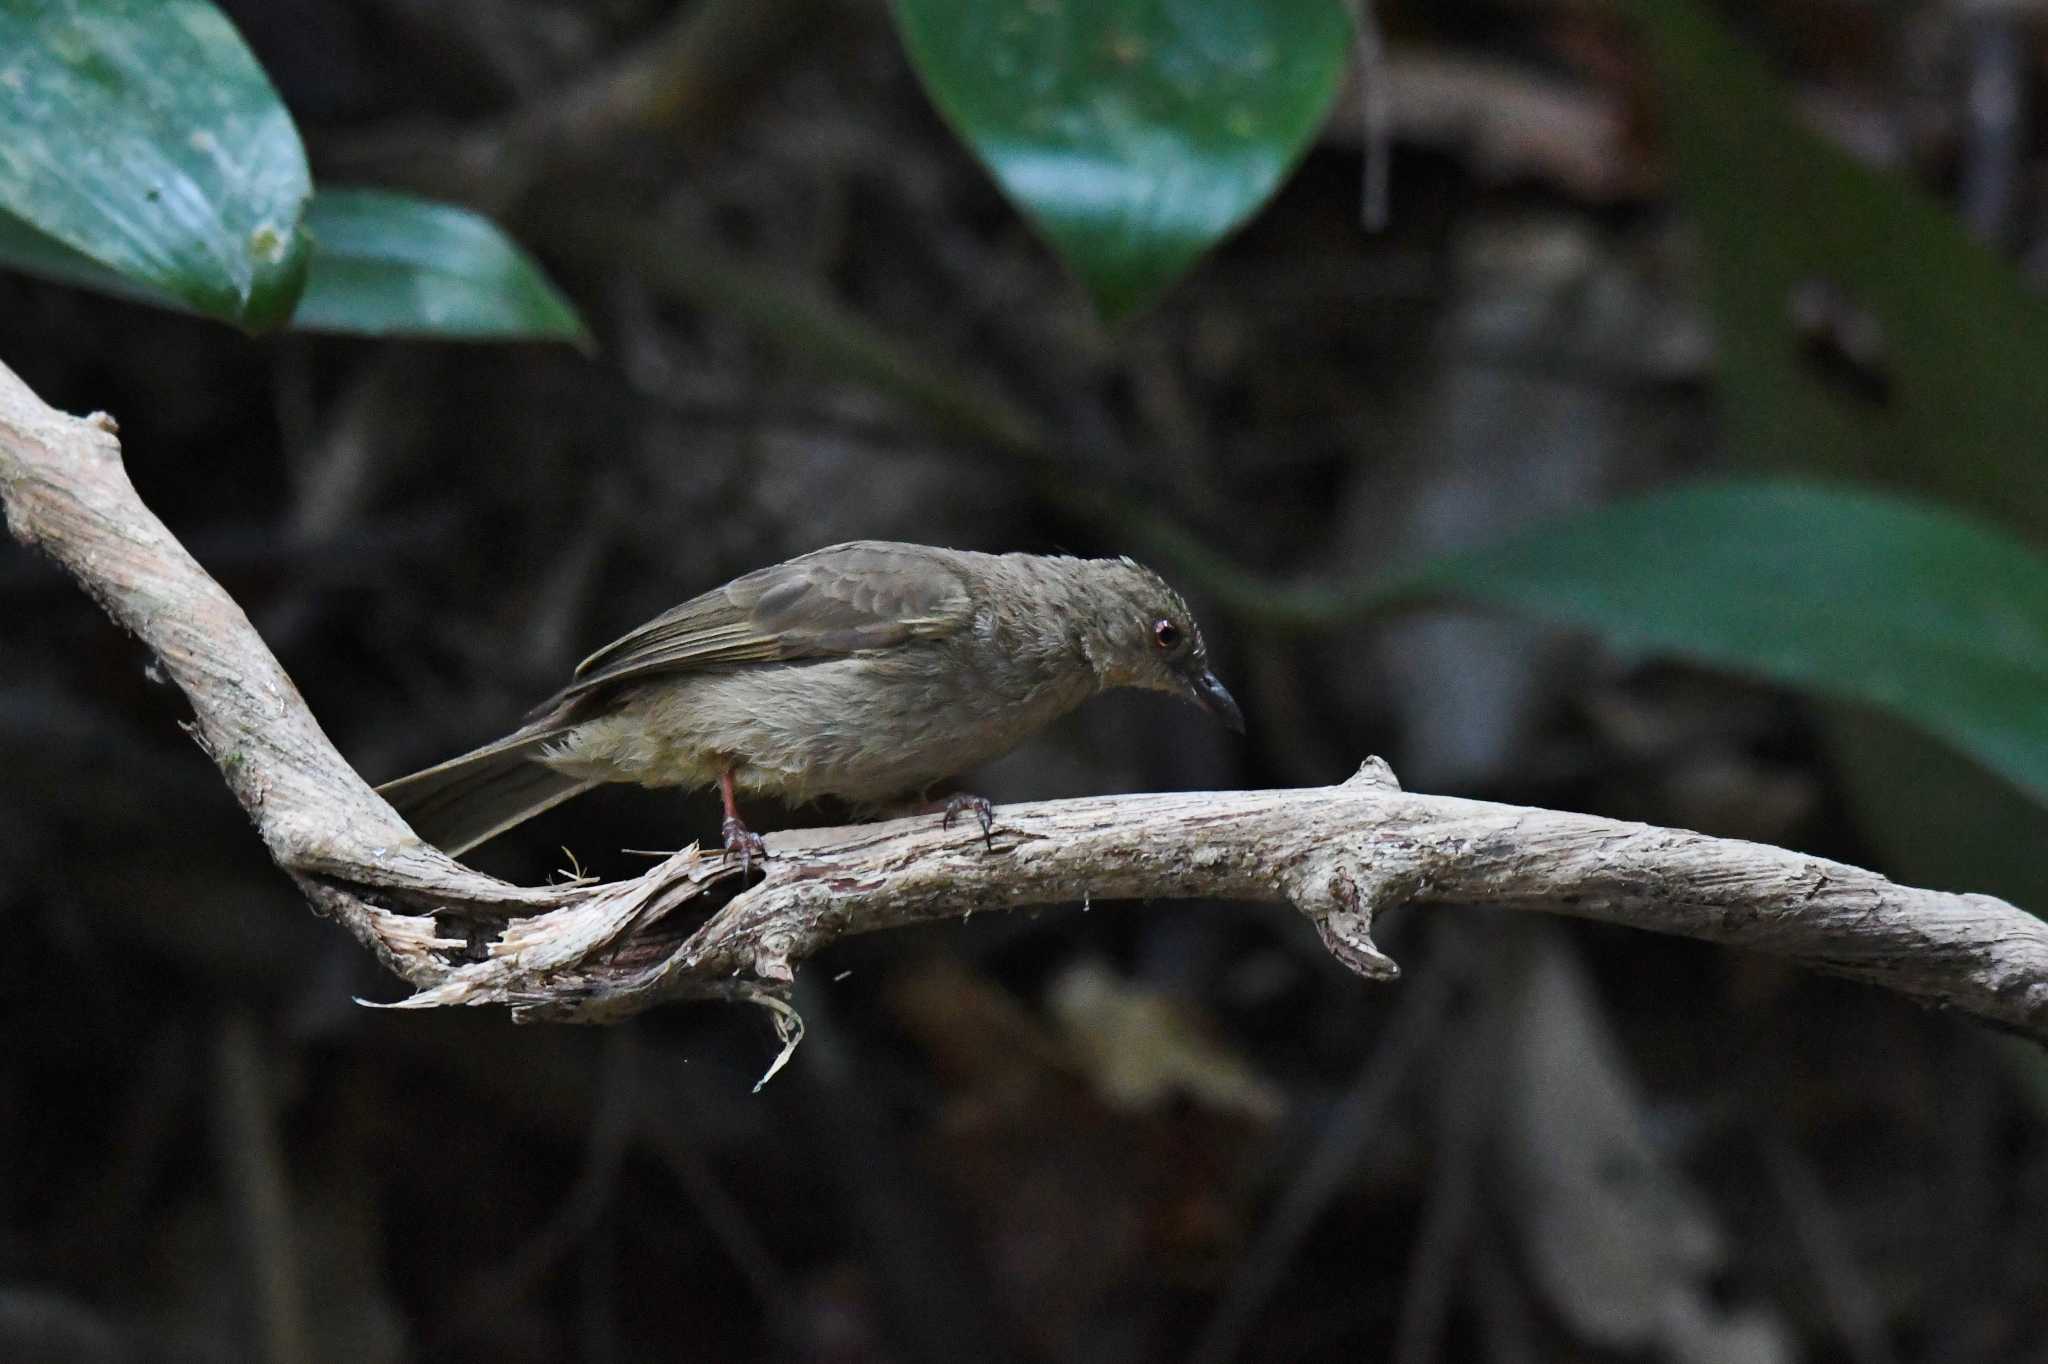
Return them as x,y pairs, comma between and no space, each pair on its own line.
847,599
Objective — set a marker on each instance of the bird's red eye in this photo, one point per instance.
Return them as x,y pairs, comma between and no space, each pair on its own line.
1165,633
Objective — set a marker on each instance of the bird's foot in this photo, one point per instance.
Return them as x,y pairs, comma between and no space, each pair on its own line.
744,842
981,807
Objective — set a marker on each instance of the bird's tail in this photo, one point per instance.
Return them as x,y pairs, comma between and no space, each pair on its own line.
469,800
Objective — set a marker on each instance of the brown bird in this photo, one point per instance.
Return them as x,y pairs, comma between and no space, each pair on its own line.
867,671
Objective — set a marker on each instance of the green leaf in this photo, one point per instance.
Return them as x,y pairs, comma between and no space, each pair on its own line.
1133,133
1928,615
25,249
1965,346
142,136
389,264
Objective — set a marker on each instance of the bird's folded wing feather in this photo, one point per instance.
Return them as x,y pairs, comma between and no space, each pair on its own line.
843,600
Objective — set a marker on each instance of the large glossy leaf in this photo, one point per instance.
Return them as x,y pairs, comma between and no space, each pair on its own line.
1931,616
143,136
390,264
383,265
1965,346
1134,133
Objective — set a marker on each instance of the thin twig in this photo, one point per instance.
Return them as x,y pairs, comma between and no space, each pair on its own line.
252,1162
798,314
1375,117
675,83
1855,1304
1466,1101
1358,1117
581,1207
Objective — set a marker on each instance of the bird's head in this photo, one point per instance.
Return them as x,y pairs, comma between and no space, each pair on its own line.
1141,634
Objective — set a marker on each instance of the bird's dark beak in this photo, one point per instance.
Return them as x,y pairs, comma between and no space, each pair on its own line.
1212,696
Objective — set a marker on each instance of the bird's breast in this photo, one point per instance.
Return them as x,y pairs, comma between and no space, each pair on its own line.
865,727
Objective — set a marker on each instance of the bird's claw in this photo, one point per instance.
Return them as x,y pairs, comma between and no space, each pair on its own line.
981,807
744,841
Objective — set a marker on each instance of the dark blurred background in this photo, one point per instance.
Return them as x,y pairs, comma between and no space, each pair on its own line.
1113,1132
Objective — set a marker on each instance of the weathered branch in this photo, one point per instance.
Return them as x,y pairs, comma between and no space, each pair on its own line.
592,952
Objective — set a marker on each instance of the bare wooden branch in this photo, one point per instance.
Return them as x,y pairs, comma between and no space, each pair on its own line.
594,952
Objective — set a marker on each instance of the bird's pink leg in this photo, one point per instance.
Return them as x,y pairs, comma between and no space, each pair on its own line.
738,837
